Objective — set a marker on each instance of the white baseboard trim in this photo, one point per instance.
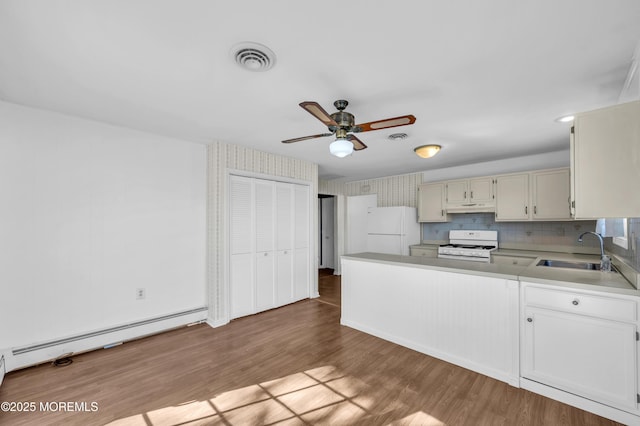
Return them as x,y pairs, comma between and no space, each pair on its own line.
217,323
38,353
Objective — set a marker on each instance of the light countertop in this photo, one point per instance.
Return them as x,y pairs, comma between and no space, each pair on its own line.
570,278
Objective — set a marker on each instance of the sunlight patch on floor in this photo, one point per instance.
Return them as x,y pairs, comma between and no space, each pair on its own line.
321,395
418,419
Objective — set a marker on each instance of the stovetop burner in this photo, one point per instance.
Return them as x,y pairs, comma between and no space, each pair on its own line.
468,247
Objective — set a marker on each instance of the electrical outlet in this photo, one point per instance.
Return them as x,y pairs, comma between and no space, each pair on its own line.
140,293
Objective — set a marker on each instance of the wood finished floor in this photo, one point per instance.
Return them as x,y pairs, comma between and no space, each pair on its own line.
290,366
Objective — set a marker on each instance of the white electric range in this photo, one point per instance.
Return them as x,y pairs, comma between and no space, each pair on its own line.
469,245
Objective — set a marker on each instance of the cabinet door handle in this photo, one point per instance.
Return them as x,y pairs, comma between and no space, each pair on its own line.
535,209
442,213
575,302
471,194
465,194
529,319
526,209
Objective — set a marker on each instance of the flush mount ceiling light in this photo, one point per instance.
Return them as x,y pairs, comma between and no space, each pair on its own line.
253,56
427,151
341,147
565,119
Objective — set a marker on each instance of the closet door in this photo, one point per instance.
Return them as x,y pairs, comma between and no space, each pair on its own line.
265,234
284,242
241,244
269,244
301,233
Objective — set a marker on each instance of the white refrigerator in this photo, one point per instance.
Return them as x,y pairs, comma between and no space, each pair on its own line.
392,230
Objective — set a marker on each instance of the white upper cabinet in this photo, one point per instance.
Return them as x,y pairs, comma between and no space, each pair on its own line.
470,195
431,203
516,197
539,195
512,197
605,151
550,195
457,192
481,190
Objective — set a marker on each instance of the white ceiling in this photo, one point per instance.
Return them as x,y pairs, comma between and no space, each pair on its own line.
485,79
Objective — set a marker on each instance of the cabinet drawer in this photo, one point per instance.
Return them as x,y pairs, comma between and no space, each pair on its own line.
581,303
512,260
426,252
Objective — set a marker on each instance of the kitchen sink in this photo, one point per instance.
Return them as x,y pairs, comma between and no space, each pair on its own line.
588,266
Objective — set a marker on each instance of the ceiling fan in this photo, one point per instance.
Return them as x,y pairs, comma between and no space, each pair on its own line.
341,124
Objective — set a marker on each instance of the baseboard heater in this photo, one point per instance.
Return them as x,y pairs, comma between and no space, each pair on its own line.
42,352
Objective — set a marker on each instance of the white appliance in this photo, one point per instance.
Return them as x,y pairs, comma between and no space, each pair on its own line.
392,230
469,245
357,208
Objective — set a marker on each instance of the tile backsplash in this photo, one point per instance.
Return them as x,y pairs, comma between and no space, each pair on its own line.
552,236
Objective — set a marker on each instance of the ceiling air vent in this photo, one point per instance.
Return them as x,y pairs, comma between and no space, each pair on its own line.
253,56
397,136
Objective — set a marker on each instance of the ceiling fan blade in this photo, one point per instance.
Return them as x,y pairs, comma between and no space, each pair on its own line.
318,112
389,122
357,143
304,138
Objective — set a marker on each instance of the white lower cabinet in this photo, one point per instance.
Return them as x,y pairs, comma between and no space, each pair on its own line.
424,251
576,346
512,260
583,343
464,319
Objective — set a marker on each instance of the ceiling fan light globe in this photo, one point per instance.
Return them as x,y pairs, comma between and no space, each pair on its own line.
341,148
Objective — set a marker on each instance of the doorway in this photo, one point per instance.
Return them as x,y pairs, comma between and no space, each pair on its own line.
326,231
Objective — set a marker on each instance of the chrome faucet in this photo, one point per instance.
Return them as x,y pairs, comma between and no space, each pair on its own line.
605,261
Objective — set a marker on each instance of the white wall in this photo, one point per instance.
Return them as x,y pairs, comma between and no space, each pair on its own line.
89,213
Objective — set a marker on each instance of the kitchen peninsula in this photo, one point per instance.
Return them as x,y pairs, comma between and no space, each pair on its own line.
529,326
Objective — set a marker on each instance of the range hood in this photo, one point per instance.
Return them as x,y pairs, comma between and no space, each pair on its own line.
471,208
